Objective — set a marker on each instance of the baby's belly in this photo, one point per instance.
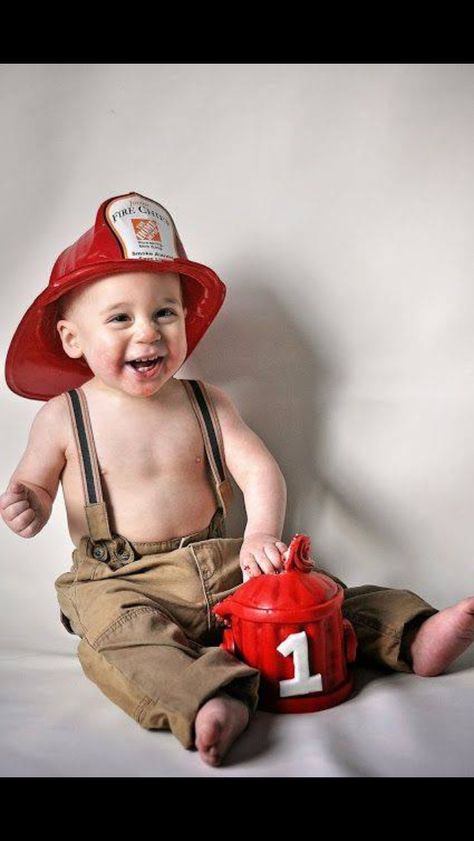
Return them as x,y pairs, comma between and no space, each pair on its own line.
147,510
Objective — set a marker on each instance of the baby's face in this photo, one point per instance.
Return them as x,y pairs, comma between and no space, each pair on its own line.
125,317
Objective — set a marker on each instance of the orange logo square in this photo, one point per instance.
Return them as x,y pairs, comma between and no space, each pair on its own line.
146,230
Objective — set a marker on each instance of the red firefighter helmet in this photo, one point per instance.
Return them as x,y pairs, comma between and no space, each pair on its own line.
290,627
131,233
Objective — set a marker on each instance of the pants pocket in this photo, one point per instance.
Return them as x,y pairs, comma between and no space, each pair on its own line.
65,621
67,613
227,573
65,586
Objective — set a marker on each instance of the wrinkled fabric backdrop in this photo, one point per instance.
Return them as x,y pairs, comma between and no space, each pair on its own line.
336,203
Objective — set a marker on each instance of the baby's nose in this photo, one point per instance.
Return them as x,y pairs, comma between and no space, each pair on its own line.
147,329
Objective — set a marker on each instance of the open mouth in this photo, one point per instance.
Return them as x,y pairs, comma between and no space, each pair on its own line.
145,367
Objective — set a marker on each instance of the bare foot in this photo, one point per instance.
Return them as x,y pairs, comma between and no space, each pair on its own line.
218,723
442,638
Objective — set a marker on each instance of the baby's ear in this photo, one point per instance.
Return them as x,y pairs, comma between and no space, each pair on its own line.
68,335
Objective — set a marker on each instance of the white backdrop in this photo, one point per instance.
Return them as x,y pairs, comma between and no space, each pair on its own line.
336,203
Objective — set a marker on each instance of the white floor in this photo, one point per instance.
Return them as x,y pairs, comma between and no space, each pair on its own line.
56,723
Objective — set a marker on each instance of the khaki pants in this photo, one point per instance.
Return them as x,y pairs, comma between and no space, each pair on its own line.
386,621
150,641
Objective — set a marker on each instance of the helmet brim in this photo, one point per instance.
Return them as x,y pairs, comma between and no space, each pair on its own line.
37,366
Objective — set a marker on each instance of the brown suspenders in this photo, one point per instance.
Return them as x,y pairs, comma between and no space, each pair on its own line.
95,506
212,435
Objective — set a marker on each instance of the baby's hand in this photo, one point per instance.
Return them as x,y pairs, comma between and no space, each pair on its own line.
261,553
21,510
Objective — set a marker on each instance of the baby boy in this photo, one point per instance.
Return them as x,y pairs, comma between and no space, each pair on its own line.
144,460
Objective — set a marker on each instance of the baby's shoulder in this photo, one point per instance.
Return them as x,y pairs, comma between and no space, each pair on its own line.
50,424
57,409
57,413
217,395
224,406
54,410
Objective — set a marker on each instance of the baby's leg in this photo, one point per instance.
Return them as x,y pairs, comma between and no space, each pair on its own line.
385,620
400,630
146,664
442,638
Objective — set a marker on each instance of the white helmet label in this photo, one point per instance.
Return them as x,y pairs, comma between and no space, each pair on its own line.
144,228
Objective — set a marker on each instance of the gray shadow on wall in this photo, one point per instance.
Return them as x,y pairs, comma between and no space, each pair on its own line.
283,382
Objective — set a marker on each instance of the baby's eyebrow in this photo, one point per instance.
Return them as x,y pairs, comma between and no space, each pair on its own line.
127,304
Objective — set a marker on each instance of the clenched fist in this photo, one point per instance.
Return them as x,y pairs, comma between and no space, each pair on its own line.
21,510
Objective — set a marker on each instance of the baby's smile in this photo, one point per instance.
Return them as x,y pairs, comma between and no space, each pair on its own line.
144,369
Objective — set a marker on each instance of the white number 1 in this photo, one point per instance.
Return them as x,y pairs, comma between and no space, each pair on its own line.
302,683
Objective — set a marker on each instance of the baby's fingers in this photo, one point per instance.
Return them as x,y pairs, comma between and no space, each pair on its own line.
249,566
265,565
14,492
32,529
12,510
274,556
23,520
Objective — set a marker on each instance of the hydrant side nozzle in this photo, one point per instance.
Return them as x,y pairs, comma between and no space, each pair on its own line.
350,641
223,612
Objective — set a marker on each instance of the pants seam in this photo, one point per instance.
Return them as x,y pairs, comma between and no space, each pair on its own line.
141,708
73,598
204,588
376,626
144,701
121,621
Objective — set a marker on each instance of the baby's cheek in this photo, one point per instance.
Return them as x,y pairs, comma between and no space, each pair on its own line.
108,362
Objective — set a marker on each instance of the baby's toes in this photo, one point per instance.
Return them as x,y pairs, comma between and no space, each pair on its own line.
468,604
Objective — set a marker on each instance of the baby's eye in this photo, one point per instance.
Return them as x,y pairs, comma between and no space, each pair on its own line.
158,313
166,309
121,315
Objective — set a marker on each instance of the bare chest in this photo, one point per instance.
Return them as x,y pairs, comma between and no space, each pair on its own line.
149,448
153,472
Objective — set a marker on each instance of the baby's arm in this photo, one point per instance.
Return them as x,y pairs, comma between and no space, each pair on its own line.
262,483
26,504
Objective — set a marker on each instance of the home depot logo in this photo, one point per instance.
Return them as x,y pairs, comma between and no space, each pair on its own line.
146,230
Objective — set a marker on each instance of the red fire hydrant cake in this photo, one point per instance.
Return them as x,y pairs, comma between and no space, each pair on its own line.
290,627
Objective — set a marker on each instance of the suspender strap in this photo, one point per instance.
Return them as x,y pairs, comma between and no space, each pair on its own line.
212,435
95,507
